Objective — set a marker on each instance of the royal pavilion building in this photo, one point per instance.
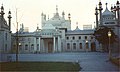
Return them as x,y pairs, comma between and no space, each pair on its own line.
55,35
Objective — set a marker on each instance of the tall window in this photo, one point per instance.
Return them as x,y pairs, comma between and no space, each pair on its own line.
6,36
14,47
87,46
5,47
26,47
80,45
68,46
32,46
37,46
62,45
91,37
20,47
74,45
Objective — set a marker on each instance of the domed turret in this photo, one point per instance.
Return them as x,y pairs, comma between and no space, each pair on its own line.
107,12
108,17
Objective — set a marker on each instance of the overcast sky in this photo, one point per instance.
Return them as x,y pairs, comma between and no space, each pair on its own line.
29,11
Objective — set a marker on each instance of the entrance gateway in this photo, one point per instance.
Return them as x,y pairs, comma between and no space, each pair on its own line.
49,45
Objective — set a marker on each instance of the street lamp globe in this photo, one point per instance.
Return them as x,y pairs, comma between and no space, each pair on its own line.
86,41
19,44
109,34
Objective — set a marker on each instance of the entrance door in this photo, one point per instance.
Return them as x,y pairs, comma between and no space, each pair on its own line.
50,47
93,47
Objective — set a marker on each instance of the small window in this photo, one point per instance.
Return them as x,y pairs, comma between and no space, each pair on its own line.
67,38
73,38
79,37
85,37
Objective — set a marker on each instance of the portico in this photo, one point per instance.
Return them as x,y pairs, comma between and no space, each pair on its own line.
47,44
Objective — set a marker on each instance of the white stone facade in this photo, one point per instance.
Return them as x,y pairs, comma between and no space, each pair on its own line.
55,36
5,34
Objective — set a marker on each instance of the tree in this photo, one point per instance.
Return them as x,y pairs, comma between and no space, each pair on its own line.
102,35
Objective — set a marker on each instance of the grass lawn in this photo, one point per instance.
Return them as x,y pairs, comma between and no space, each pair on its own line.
39,66
116,61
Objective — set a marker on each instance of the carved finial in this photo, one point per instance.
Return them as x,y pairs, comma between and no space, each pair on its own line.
56,8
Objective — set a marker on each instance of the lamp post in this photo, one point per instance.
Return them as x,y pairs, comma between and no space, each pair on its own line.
109,35
19,46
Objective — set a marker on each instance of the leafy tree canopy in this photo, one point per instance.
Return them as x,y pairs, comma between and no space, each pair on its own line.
102,35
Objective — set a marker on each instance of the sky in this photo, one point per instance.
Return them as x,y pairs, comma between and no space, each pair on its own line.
29,11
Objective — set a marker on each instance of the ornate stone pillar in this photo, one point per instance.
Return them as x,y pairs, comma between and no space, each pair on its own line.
59,44
35,44
54,44
39,43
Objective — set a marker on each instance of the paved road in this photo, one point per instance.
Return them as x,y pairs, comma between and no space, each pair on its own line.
89,61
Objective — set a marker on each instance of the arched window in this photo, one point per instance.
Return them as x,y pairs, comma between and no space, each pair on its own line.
32,46
67,38
68,45
80,45
79,37
37,46
85,37
73,38
74,45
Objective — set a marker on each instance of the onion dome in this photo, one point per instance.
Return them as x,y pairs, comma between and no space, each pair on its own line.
107,12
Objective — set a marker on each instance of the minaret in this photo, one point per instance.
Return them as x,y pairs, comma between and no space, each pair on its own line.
56,14
48,17
43,19
69,16
115,10
37,27
76,25
9,20
100,11
2,11
56,9
111,8
96,13
118,12
22,26
63,14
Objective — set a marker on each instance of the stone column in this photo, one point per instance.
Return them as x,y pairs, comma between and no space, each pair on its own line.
54,45
59,44
39,43
43,46
89,48
35,44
